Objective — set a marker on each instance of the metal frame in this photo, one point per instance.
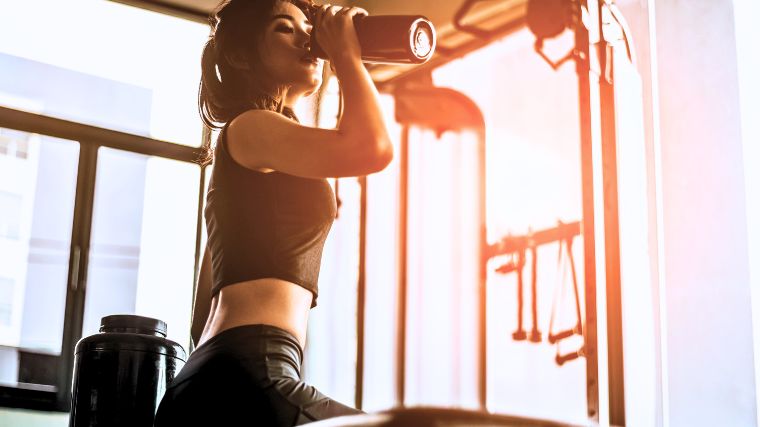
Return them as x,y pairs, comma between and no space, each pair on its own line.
445,55
402,291
468,117
77,277
609,177
90,138
583,68
205,142
361,295
93,135
596,65
585,36
168,9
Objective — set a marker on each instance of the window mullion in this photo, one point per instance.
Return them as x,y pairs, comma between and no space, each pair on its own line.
78,263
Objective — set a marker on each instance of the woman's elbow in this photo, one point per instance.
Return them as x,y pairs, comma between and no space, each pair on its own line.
383,156
369,155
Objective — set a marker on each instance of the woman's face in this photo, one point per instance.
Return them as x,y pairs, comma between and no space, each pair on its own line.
284,51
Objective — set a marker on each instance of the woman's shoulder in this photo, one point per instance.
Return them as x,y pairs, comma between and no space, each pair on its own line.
251,134
256,116
227,133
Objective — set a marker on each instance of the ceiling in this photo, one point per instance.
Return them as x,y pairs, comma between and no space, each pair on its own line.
497,17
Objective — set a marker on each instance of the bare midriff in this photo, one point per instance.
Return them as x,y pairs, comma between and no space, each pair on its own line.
267,301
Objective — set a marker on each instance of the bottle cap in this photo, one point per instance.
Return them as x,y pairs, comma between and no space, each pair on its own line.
134,324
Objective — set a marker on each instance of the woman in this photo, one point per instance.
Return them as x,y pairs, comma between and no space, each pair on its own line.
269,209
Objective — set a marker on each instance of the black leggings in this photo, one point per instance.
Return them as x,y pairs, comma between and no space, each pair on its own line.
245,376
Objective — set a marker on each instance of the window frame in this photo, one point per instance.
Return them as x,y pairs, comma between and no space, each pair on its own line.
90,139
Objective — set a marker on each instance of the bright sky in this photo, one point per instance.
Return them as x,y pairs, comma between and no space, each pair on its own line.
116,42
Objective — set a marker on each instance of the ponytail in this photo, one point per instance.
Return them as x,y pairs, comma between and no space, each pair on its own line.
225,90
210,87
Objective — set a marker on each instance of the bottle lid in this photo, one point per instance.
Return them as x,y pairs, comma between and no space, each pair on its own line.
134,324
422,40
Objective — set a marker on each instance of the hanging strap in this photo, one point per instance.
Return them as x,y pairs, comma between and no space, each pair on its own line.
535,334
520,334
578,328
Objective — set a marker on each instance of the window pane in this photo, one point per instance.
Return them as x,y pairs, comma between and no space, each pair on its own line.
381,311
37,192
105,64
142,247
442,270
330,359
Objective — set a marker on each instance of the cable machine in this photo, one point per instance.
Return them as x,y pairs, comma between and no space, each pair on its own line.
599,27
516,247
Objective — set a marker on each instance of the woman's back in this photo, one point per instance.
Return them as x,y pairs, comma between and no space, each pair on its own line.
266,232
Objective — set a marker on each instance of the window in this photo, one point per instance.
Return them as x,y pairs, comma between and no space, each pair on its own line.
10,215
139,76
14,144
142,247
105,64
6,301
36,212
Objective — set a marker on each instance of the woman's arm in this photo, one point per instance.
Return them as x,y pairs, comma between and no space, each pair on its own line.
202,302
360,145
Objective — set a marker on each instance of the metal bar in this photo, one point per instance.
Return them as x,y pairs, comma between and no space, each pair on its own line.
583,68
75,294
512,244
402,266
611,228
95,136
361,293
535,334
29,398
460,24
438,60
198,237
168,9
483,276
199,252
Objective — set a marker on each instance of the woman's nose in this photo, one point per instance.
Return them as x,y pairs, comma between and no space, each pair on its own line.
305,40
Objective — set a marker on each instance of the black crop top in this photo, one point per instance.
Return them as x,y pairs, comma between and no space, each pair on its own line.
265,224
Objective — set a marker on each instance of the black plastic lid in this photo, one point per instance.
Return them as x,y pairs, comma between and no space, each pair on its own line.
134,324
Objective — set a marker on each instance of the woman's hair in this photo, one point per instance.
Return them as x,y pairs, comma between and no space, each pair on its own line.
226,89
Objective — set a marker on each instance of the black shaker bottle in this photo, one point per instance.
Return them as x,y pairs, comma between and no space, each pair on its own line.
390,39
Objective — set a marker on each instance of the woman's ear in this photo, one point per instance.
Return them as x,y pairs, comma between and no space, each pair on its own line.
237,61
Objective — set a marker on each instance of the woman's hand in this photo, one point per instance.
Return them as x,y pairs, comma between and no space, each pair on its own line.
335,32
